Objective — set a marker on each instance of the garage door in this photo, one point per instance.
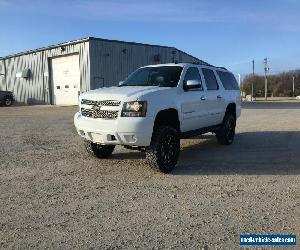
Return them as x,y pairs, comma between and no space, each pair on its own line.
66,80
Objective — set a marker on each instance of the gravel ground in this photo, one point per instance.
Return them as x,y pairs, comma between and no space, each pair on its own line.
54,195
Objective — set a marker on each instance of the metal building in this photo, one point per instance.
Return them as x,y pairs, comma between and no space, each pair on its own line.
58,73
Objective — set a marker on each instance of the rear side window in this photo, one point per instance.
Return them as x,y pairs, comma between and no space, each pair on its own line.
228,80
210,79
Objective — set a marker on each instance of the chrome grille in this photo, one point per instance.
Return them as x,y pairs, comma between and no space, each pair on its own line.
96,113
100,109
101,103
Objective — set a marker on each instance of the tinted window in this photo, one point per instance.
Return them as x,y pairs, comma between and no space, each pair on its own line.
192,74
228,80
210,79
165,76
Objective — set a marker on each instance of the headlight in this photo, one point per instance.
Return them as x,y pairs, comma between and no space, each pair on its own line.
134,109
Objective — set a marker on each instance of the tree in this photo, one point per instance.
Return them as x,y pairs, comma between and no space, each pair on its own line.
278,84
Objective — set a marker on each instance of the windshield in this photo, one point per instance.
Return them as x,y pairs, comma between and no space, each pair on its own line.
164,76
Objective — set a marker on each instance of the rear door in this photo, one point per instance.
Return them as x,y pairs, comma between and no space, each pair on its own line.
215,97
193,105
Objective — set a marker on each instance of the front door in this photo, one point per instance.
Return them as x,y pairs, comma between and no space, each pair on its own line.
193,104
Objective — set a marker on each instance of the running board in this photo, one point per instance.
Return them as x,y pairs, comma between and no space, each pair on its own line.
200,131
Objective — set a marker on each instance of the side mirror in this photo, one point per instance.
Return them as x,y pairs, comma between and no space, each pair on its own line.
121,83
193,84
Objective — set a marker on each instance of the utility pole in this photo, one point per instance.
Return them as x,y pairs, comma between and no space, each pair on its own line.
266,68
293,86
252,81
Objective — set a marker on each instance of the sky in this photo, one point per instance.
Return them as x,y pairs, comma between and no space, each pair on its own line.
228,33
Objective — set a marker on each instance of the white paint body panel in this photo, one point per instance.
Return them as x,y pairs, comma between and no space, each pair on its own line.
66,80
196,109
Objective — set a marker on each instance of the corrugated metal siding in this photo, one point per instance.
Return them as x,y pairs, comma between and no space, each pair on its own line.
35,90
184,57
113,61
2,76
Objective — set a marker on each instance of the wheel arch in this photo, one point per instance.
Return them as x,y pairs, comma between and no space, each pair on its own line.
9,96
231,109
167,117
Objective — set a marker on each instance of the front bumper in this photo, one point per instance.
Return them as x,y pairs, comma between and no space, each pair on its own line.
131,131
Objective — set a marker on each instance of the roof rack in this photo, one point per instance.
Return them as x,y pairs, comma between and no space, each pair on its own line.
200,62
222,68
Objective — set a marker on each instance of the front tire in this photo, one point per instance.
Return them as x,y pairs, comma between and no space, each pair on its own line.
163,153
225,135
99,151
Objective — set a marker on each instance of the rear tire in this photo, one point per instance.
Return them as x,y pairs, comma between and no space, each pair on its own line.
163,153
8,101
99,151
225,135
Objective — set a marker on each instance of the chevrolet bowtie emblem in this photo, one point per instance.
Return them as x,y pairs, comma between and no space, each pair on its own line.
96,108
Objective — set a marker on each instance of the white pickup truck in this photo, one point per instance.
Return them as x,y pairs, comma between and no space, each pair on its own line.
155,107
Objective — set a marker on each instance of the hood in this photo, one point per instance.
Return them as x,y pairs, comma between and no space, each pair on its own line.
119,93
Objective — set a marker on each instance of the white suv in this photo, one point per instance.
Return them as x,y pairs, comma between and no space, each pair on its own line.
155,107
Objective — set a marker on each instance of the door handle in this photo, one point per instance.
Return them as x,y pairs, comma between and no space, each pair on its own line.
203,98
219,96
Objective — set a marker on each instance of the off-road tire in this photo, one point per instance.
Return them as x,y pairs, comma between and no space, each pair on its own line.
98,150
8,101
225,135
163,153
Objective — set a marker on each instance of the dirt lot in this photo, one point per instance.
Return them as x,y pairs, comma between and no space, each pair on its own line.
54,195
